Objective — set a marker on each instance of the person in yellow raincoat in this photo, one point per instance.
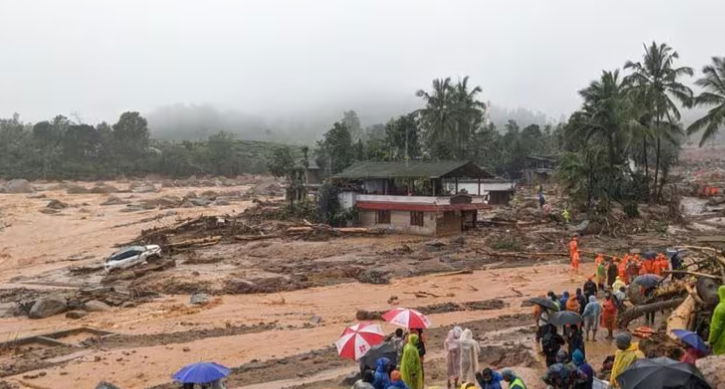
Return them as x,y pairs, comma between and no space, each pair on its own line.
618,283
411,368
626,355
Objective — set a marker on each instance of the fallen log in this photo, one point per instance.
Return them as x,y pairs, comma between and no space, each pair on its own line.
681,317
632,313
192,242
693,273
454,273
520,255
249,238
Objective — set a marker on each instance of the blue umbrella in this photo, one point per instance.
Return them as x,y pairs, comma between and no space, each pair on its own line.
691,339
647,280
201,373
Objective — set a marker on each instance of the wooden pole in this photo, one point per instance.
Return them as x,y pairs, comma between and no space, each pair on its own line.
479,186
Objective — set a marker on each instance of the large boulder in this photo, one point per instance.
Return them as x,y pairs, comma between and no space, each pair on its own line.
199,299
17,186
75,314
56,204
140,187
48,306
96,306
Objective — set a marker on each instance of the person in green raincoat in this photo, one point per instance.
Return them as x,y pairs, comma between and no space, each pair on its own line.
601,275
717,325
411,369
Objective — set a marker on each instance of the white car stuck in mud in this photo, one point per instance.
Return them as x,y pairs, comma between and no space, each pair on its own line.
132,256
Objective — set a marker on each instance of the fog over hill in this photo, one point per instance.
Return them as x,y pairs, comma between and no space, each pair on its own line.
198,121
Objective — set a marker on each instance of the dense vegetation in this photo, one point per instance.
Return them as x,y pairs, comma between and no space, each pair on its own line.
62,149
620,146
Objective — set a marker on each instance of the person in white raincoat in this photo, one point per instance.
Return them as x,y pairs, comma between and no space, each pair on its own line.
469,356
452,345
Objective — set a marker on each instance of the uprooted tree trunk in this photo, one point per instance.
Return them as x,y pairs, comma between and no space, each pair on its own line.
640,310
682,316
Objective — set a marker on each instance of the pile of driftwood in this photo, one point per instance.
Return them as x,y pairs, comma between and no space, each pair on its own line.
210,230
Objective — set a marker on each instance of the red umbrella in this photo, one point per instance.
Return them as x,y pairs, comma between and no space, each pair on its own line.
406,318
358,339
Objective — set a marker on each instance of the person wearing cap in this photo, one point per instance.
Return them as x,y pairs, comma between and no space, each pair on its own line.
625,356
396,381
513,380
489,379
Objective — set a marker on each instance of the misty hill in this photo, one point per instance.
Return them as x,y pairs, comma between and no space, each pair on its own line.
198,122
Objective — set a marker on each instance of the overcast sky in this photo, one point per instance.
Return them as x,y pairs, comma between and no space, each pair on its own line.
98,58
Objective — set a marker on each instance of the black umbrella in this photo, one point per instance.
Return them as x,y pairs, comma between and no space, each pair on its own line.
650,255
565,318
647,280
661,373
385,349
544,303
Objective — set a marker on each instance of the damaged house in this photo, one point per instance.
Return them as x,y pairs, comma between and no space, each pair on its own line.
417,197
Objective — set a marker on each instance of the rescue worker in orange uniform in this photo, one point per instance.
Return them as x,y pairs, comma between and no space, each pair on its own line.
574,254
622,271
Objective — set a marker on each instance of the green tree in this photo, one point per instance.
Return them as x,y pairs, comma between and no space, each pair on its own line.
402,138
221,153
131,135
607,115
352,122
451,117
281,161
654,82
714,96
335,151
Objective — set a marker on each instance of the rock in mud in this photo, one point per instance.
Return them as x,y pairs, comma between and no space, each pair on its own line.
75,189
47,306
96,306
373,276
363,315
17,186
75,314
199,299
113,200
106,385
103,188
142,188
56,204
350,379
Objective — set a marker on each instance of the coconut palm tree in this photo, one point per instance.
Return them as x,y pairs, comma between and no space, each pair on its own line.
436,117
607,114
714,85
469,114
655,81
451,117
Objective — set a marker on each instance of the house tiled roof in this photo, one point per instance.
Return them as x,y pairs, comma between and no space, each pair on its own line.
413,169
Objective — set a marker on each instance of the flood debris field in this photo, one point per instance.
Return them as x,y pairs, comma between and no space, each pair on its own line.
241,283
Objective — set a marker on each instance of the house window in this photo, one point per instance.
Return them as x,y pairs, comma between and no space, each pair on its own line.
382,217
416,218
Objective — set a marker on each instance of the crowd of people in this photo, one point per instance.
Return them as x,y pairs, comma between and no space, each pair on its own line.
462,356
597,302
